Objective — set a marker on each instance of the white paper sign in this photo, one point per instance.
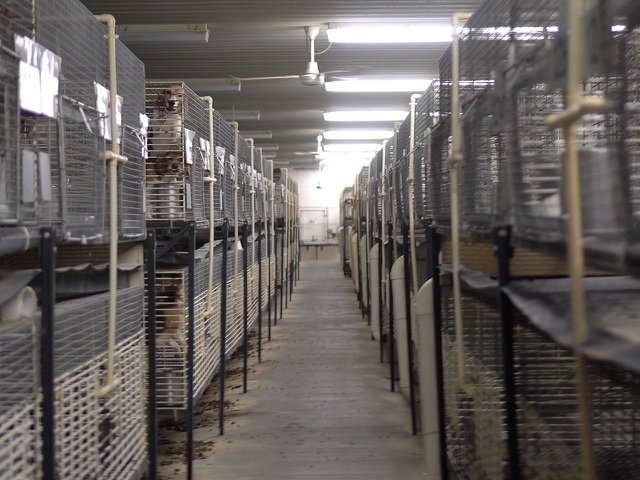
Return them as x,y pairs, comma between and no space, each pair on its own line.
205,147
144,135
39,72
30,97
103,104
189,137
220,152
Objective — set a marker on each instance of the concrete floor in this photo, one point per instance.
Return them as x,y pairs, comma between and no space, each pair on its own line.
319,406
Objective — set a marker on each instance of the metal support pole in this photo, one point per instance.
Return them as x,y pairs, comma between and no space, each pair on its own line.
191,238
407,300
504,252
260,291
47,374
434,247
245,303
152,405
223,320
282,274
268,237
391,328
275,273
380,302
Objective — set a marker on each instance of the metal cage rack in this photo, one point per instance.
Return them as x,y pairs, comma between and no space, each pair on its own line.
363,192
172,319
175,165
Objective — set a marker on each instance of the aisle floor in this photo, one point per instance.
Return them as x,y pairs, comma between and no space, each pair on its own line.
319,406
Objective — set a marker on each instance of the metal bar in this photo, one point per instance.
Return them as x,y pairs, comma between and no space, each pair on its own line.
223,320
260,291
504,253
434,247
191,238
47,376
152,405
275,290
180,235
269,297
380,302
282,277
407,300
245,303
391,329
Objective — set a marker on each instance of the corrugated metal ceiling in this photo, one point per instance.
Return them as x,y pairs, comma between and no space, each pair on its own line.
266,38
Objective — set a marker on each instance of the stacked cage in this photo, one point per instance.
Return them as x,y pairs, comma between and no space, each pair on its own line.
222,150
178,155
426,118
100,436
172,317
18,408
363,192
279,197
403,141
475,414
245,179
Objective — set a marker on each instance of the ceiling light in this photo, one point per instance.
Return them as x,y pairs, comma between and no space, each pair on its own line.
366,116
143,33
380,85
258,134
240,114
388,32
274,147
353,147
358,134
269,155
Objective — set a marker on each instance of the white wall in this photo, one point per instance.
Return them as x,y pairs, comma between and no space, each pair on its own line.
333,179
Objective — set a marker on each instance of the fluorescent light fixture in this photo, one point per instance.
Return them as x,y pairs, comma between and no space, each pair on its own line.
353,147
358,134
366,116
273,147
378,85
269,155
258,134
390,32
203,85
240,114
143,33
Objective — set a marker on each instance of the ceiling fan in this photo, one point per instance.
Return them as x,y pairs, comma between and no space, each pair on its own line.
312,77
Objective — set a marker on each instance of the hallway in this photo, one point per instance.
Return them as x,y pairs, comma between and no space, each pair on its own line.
326,411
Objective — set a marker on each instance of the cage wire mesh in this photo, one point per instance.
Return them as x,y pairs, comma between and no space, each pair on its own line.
131,86
279,197
225,150
388,180
403,144
9,128
363,192
18,389
427,116
175,166
245,179
16,18
548,421
438,172
172,313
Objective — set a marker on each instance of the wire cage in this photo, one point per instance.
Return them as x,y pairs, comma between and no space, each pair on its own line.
131,86
172,316
475,422
259,183
224,139
16,18
363,192
98,435
245,179
18,389
483,173
279,197
234,300
548,421
427,117
9,127
403,145
438,172
388,180
175,165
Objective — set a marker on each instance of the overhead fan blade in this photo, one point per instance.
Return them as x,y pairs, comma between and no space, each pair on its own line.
255,79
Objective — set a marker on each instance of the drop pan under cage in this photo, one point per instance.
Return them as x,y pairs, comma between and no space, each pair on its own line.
19,415
99,437
548,420
176,163
172,317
